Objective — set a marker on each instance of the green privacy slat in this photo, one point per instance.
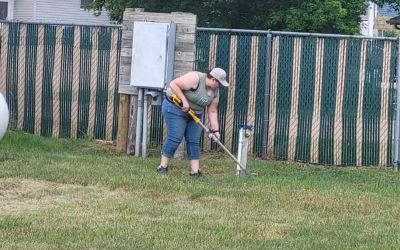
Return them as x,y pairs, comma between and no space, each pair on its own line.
259,109
12,73
48,68
350,102
202,58
243,64
391,104
372,102
202,50
328,101
84,81
283,96
222,61
66,82
102,83
116,95
306,98
30,77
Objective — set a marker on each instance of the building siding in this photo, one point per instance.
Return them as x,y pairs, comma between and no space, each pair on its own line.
61,11
23,10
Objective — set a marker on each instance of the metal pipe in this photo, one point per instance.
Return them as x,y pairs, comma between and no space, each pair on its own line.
144,140
267,85
139,121
294,33
240,150
397,124
212,136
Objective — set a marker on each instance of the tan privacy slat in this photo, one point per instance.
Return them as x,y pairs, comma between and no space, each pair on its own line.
75,81
384,122
211,63
272,109
253,87
338,127
359,123
213,51
3,59
57,82
316,119
111,85
39,81
293,123
231,93
21,75
93,81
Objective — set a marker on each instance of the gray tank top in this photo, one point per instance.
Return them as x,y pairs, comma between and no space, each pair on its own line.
198,99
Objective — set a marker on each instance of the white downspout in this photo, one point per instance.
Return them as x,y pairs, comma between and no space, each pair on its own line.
371,19
10,9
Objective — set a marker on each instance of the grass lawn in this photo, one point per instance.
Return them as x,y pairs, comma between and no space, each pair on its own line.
65,194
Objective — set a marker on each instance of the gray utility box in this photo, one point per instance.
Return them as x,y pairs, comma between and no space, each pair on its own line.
153,51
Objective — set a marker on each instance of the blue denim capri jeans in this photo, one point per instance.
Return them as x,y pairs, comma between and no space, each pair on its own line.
179,125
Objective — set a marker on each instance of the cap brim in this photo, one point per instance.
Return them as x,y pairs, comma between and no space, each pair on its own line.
225,84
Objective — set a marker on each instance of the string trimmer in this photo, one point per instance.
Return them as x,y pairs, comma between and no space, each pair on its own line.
178,102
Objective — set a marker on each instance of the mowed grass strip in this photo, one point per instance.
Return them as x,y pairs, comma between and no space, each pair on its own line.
81,194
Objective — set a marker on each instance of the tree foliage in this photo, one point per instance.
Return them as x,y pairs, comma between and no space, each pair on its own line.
325,16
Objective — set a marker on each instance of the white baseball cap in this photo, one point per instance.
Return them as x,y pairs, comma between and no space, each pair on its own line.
220,75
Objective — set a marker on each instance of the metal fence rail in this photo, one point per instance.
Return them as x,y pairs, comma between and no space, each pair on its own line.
61,80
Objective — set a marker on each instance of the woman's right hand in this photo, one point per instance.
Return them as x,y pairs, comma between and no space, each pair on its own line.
185,106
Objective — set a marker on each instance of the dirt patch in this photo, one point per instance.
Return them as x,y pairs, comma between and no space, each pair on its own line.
19,196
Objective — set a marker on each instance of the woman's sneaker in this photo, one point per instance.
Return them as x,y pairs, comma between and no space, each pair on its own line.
198,174
162,170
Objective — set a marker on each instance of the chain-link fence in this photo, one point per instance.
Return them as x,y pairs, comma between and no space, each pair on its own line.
319,99
61,80
330,98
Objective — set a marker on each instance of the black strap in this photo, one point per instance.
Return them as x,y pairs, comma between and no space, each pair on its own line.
169,100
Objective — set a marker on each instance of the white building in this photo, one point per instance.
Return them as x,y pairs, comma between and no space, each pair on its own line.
55,11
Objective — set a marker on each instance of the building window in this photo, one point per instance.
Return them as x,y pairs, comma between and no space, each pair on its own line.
380,33
3,10
85,2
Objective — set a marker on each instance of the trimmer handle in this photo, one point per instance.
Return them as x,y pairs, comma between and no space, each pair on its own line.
178,102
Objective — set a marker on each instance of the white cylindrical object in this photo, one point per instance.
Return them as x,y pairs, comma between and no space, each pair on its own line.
139,123
240,149
4,116
371,19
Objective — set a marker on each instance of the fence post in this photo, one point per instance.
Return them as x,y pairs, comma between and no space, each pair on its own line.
123,123
397,126
267,86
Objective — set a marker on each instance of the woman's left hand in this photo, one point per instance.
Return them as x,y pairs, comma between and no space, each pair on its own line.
217,134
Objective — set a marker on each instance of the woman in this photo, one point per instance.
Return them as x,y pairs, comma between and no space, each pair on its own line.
197,91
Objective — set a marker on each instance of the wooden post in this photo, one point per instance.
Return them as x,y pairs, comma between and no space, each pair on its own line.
123,122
